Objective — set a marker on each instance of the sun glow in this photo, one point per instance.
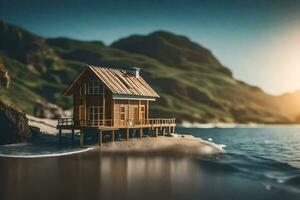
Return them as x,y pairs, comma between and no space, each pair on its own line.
283,58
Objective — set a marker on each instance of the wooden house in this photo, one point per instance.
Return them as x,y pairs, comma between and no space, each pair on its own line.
109,99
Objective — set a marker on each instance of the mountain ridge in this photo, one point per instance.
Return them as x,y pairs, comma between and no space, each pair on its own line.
193,85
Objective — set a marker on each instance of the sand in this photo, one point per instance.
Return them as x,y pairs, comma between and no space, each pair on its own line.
45,125
175,143
179,144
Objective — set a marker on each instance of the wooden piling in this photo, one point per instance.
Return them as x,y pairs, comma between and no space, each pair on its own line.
156,132
81,138
113,136
72,137
127,134
59,135
100,137
141,132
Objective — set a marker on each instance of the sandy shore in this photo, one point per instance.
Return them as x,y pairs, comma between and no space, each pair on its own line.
176,143
45,125
182,144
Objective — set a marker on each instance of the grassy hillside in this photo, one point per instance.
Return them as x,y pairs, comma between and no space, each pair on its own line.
192,83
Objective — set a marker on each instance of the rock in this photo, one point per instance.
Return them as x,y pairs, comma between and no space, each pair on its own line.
35,130
13,125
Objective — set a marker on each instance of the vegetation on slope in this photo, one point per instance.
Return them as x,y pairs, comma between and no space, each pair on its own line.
192,83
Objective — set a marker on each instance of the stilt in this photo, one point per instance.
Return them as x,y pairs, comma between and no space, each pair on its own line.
169,129
141,132
156,132
59,135
163,131
173,131
135,132
81,138
72,137
100,137
127,134
113,136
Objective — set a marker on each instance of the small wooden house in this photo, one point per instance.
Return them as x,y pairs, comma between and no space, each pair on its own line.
111,99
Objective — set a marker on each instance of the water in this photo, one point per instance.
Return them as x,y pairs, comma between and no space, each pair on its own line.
279,143
259,163
270,155
42,146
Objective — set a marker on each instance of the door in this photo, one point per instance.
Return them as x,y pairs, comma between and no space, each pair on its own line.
82,115
122,115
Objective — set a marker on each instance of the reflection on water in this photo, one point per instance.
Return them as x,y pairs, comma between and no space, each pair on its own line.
93,175
154,176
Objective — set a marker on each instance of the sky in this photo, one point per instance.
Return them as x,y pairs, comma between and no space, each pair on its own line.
258,40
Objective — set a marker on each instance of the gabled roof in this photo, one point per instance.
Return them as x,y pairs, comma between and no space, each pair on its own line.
118,81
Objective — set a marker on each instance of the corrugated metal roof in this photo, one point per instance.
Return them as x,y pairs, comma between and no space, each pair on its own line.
121,82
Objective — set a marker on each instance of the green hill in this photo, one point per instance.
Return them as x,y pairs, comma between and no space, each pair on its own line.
192,83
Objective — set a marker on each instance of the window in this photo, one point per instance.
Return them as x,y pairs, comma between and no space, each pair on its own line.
122,112
96,114
142,114
95,87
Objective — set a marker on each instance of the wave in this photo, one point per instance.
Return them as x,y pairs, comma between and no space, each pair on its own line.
43,146
268,171
50,154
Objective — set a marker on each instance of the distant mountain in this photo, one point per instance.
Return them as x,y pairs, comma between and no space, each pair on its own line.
192,83
289,104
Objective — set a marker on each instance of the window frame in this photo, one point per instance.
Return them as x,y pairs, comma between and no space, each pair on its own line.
95,87
95,114
122,113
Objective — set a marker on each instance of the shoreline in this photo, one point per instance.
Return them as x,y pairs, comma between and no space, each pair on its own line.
175,144
49,125
232,125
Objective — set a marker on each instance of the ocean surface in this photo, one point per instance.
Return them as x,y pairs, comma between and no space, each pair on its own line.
258,163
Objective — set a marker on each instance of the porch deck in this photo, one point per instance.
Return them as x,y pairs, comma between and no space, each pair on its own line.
109,124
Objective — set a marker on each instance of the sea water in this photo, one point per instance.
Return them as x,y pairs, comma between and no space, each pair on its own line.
258,163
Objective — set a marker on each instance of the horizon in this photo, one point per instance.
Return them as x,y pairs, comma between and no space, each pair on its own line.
268,29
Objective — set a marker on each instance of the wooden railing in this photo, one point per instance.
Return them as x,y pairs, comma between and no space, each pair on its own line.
119,123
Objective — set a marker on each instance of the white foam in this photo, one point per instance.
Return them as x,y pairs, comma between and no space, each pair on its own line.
210,140
47,155
16,145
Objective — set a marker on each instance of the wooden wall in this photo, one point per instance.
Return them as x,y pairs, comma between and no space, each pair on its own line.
87,100
129,109
111,107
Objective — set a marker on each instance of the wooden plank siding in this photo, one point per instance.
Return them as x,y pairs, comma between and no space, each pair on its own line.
86,99
129,110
